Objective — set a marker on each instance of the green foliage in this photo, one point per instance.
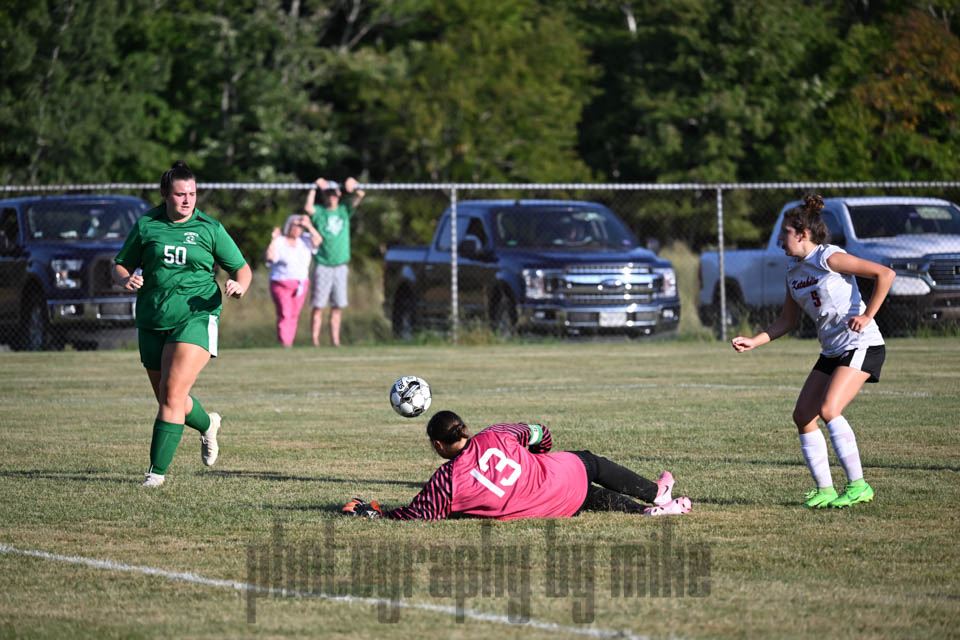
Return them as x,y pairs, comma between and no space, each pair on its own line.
494,94
899,122
707,91
75,104
477,90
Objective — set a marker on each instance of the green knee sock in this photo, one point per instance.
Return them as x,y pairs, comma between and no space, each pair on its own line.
166,437
198,418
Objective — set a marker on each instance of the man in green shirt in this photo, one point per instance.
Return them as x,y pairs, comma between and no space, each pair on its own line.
332,220
168,259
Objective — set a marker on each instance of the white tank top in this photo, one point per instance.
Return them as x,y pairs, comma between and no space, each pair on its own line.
830,299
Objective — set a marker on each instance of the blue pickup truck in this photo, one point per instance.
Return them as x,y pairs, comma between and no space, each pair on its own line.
56,260
555,266
919,238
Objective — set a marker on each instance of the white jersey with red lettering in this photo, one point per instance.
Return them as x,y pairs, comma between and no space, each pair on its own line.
831,299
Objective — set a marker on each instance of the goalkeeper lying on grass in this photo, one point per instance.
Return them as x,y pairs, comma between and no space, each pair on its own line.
506,472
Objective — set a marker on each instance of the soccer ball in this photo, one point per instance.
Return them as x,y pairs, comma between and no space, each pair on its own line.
410,396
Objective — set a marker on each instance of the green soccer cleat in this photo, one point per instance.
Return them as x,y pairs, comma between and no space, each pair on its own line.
858,491
820,498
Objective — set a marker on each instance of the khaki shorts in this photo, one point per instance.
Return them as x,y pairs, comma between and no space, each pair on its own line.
200,330
329,286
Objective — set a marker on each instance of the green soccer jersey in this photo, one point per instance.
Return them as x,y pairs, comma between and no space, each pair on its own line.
177,260
334,226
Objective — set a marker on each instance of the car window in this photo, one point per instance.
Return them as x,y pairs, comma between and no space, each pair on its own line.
10,227
465,225
834,228
560,227
76,221
475,228
883,221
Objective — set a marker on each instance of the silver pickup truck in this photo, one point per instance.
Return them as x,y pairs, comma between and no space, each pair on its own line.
917,237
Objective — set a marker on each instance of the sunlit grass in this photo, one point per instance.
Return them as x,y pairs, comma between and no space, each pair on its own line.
306,429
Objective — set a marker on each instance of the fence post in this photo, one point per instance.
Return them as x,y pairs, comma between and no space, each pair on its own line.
454,303
723,279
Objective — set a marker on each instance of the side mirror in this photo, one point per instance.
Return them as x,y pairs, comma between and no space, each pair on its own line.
471,248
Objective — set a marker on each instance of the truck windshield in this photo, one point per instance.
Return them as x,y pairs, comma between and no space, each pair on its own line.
560,227
80,220
887,220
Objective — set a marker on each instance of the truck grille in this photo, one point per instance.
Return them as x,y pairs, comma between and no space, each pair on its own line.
613,269
607,284
599,299
945,272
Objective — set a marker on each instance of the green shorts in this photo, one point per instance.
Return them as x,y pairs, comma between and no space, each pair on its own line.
201,330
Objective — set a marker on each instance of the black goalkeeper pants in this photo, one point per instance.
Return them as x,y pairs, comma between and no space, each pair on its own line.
616,483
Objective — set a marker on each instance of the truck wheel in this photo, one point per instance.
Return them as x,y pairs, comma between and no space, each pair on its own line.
503,318
36,334
736,313
404,320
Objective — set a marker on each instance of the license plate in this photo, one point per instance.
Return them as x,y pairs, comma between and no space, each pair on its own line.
613,318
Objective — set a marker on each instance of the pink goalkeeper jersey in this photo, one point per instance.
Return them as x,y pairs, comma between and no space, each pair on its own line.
495,476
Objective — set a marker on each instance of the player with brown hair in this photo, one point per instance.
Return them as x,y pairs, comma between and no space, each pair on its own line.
821,280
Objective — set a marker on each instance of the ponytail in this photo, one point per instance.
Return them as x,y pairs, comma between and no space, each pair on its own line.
806,217
446,427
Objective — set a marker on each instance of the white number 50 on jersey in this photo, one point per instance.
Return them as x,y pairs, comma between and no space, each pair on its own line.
174,255
504,462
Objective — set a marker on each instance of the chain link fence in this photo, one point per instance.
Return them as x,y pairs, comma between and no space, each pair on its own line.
557,259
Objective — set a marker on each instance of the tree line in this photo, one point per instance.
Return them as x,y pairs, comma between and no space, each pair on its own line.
477,91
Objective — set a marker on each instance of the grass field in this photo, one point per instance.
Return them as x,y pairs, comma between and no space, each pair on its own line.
306,429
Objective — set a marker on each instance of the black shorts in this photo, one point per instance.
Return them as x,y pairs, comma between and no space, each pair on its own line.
869,360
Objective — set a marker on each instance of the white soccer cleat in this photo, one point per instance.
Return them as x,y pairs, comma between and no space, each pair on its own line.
672,508
665,484
153,480
209,449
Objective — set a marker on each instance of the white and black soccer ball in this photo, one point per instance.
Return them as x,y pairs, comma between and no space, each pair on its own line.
410,396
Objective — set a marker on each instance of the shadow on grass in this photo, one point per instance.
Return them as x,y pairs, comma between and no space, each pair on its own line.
896,466
283,477
329,508
95,475
84,475
732,501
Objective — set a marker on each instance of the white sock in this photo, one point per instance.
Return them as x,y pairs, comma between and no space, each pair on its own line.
814,448
845,445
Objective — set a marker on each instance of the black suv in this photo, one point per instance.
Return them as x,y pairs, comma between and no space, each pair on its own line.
56,259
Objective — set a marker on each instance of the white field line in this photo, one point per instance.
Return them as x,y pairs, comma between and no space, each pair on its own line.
593,632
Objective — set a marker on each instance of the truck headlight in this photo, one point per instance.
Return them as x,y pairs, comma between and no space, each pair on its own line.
66,273
908,286
669,289
535,284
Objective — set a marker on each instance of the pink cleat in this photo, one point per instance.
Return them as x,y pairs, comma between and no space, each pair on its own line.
672,508
666,486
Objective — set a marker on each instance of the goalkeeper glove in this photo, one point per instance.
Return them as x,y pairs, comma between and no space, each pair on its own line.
361,508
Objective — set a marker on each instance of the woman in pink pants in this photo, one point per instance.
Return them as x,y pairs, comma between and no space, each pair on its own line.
289,256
